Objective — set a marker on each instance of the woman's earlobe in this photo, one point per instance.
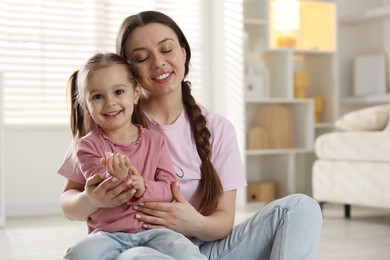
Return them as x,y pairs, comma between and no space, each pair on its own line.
184,52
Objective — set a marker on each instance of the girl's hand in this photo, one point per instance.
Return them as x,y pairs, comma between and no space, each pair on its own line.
179,216
116,164
100,196
137,182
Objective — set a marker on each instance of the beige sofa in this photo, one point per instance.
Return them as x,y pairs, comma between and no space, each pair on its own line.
353,165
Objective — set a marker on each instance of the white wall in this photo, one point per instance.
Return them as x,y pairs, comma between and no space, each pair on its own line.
31,159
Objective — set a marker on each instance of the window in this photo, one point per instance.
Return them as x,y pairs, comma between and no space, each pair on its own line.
43,41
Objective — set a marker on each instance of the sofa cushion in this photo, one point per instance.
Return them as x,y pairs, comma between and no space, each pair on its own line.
367,119
354,146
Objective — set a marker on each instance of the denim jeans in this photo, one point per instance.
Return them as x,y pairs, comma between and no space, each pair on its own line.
150,244
288,228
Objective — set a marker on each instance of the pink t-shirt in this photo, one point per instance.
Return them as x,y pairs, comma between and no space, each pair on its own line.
225,155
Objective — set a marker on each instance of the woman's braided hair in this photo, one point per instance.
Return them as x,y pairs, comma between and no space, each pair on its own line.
210,184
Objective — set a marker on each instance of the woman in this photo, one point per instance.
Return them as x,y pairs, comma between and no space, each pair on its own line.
205,154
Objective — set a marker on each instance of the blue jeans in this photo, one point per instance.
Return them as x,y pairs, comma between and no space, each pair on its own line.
288,228
160,243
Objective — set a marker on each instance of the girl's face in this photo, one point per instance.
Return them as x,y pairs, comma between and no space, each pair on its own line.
157,57
110,97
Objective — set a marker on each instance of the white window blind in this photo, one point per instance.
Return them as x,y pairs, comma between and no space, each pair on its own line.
43,41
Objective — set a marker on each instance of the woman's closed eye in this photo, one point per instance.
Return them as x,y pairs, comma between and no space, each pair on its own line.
139,58
142,60
167,50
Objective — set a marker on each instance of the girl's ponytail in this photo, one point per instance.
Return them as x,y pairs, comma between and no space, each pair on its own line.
78,124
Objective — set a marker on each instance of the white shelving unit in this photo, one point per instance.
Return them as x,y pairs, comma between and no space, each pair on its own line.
364,28
290,168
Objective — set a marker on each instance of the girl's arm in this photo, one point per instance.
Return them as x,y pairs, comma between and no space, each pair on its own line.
78,202
182,217
158,180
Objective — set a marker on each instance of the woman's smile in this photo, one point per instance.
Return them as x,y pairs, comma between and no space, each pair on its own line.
163,77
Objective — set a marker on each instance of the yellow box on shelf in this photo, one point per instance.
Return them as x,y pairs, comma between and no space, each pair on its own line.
303,25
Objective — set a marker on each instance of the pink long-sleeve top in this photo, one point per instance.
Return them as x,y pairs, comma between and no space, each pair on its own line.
149,154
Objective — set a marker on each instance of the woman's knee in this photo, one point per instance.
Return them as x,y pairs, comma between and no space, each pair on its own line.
296,207
305,214
308,207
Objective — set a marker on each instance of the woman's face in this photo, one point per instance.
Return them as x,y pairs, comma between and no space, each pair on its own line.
157,57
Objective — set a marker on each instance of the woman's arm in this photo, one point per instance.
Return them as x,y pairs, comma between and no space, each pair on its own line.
182,217
220,223
78,202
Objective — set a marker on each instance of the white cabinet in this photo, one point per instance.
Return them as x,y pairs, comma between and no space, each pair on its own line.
364,29
2,202
289,167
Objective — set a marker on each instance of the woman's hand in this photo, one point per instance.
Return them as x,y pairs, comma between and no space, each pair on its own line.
182,217
102,196
79,201
179,216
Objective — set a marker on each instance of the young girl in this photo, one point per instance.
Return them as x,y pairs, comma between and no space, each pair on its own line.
105,92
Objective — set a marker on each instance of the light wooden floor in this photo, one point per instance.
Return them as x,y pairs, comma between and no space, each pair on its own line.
366,236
